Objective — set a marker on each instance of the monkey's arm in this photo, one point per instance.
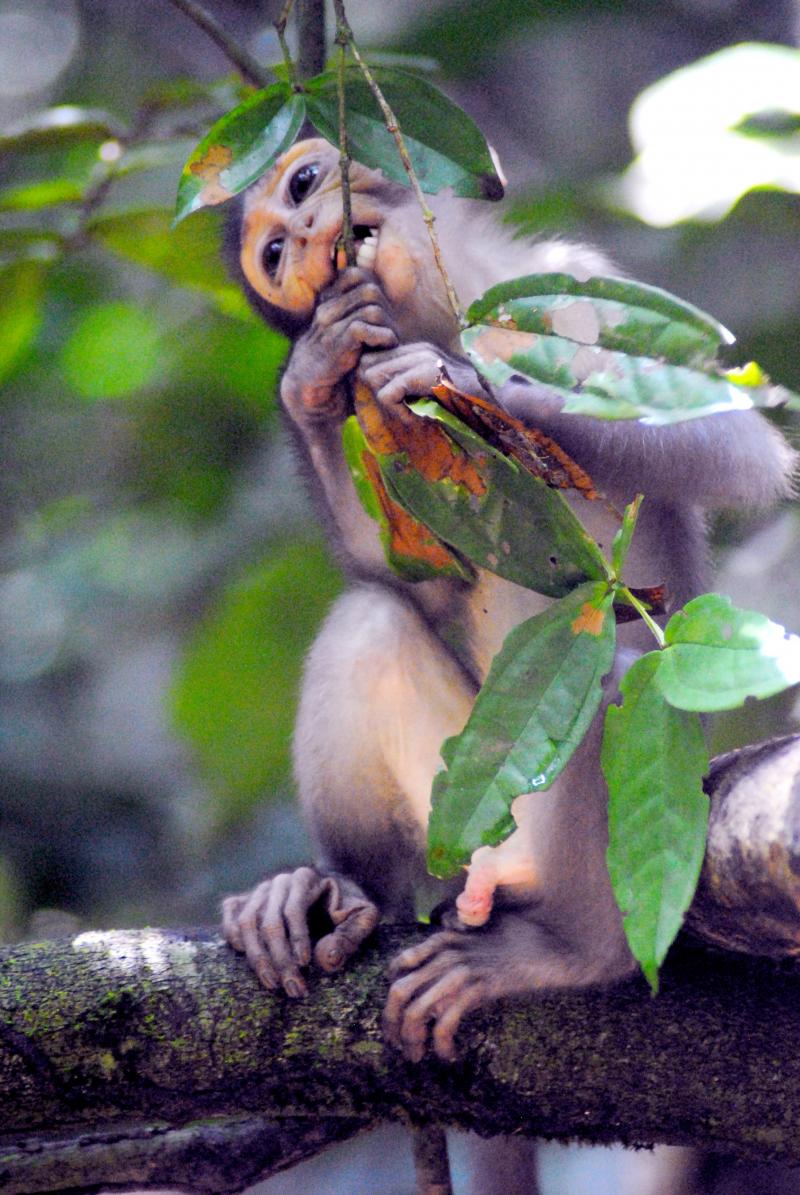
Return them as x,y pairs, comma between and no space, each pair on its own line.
733,458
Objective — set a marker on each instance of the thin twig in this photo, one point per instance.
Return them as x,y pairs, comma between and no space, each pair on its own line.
248,68
344,153
280,29
392,126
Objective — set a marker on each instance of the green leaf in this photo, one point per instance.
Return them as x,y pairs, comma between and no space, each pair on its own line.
22,290
504,520
189,255
717,656
57,127
113,351
240,147
654,759
612,313
235,692
622,540
541,694
47,193
446,148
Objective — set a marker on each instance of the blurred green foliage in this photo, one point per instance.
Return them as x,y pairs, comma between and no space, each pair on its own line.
235,693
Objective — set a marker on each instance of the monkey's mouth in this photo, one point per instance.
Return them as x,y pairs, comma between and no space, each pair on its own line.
366,242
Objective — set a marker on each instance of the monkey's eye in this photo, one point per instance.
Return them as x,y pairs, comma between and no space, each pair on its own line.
302,182
271,256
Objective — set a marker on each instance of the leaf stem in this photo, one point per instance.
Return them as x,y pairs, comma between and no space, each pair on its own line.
348,238
643,613
250,70
343,29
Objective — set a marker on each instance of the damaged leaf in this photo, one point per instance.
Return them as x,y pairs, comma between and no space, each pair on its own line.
612,349
240,147
541,694
410,548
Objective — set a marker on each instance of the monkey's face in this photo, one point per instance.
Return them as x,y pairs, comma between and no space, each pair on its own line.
293,220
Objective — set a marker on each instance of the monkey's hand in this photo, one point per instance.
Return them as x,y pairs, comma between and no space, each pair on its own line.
352,314
271,925
412,370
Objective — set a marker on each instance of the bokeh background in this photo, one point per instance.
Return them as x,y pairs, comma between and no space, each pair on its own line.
160,572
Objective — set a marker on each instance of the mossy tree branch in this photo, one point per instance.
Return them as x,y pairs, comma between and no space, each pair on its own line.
153,1057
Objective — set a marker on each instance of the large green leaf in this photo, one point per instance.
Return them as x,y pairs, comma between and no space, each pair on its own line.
22,290
446,148
612,313
718,655
654,759
235,690
189,255
60,126
505,520
240,147
542,691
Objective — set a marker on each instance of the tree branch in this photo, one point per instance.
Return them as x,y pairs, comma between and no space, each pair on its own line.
152,1056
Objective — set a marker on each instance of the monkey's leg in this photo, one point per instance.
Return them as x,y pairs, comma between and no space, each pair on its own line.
381,693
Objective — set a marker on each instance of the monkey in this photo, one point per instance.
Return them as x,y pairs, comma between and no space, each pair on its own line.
396,666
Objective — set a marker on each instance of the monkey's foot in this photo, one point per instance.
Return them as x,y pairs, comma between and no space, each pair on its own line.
270,925
434,985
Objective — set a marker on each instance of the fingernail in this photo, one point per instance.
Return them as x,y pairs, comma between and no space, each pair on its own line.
294,987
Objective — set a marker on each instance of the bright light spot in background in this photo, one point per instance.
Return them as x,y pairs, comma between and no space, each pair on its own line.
37,41
692,162
110,151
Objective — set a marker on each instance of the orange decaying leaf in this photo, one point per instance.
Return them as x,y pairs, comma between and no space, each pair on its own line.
588,619
531,448
209,167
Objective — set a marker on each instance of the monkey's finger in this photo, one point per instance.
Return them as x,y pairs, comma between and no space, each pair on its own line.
446,1025
273,933
414,957
372,335
231,908
252,943
413,1029
406,989
353,925
336,307
306,889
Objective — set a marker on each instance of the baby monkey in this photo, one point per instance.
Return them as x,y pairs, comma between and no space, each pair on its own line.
396,667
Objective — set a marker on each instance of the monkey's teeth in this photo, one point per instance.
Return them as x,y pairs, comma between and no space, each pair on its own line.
367,252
